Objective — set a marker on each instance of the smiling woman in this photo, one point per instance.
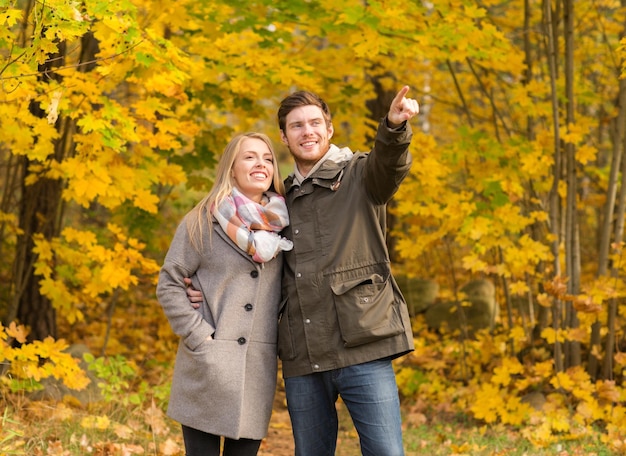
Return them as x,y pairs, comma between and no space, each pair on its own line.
253,169
229,245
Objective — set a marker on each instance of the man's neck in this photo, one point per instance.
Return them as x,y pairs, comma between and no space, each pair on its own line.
304,169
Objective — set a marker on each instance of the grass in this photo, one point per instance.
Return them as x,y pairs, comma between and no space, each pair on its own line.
65,428
457,439
461,436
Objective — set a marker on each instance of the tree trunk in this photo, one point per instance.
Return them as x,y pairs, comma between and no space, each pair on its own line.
38,214
554,203
41,210
619,139
572,249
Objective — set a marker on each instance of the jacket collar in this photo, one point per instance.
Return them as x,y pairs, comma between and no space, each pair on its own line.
326,168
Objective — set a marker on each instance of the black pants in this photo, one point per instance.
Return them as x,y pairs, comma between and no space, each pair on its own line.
198,443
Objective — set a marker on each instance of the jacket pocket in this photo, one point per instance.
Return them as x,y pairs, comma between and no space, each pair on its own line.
286,348
366,308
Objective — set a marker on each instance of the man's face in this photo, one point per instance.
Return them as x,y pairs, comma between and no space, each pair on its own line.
307,136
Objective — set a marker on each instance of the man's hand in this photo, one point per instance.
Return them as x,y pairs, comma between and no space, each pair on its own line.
195,296
401,109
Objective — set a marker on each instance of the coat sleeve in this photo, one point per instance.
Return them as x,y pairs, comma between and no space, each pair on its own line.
388,163
182,260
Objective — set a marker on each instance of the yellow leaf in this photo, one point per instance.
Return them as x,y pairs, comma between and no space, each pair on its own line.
146,201
11,16
519,288
560,423
586,154
487,403
464,448
95,422
549,335
574,134
518,334
562,380
544,300
502,374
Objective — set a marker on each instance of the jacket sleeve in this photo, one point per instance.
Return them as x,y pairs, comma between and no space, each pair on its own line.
388,163
182,260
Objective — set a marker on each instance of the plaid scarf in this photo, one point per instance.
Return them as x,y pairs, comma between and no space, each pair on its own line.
254,227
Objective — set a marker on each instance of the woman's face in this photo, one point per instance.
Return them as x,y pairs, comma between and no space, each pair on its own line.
253,169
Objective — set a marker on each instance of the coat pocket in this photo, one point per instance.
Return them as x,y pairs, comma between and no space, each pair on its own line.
366,307
286,348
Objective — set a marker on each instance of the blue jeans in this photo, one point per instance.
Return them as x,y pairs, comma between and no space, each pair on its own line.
370,393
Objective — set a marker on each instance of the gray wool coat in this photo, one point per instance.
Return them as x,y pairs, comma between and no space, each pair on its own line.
223,386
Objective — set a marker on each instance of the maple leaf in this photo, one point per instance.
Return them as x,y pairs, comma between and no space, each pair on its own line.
502,374
587,304
169,448
122,431
19,332
544,300
101,422
586,153
620,358
155,419
562,380
608,390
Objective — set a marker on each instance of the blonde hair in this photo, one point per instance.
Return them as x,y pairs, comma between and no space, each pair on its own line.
223,187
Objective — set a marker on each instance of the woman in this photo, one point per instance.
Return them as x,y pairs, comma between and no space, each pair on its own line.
225,373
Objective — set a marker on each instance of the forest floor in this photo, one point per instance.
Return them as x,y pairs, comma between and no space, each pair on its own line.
279,441
436,438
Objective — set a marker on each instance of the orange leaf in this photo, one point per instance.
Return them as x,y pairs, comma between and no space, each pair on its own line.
19,332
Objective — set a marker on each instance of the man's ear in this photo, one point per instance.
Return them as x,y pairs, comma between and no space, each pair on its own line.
283,138
331,130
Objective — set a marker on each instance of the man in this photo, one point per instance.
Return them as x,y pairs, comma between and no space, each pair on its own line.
344,318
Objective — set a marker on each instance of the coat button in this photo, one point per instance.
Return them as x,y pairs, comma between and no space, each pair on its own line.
254,274
248,307
241,340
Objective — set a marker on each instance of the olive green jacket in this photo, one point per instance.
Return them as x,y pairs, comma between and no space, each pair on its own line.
341,305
